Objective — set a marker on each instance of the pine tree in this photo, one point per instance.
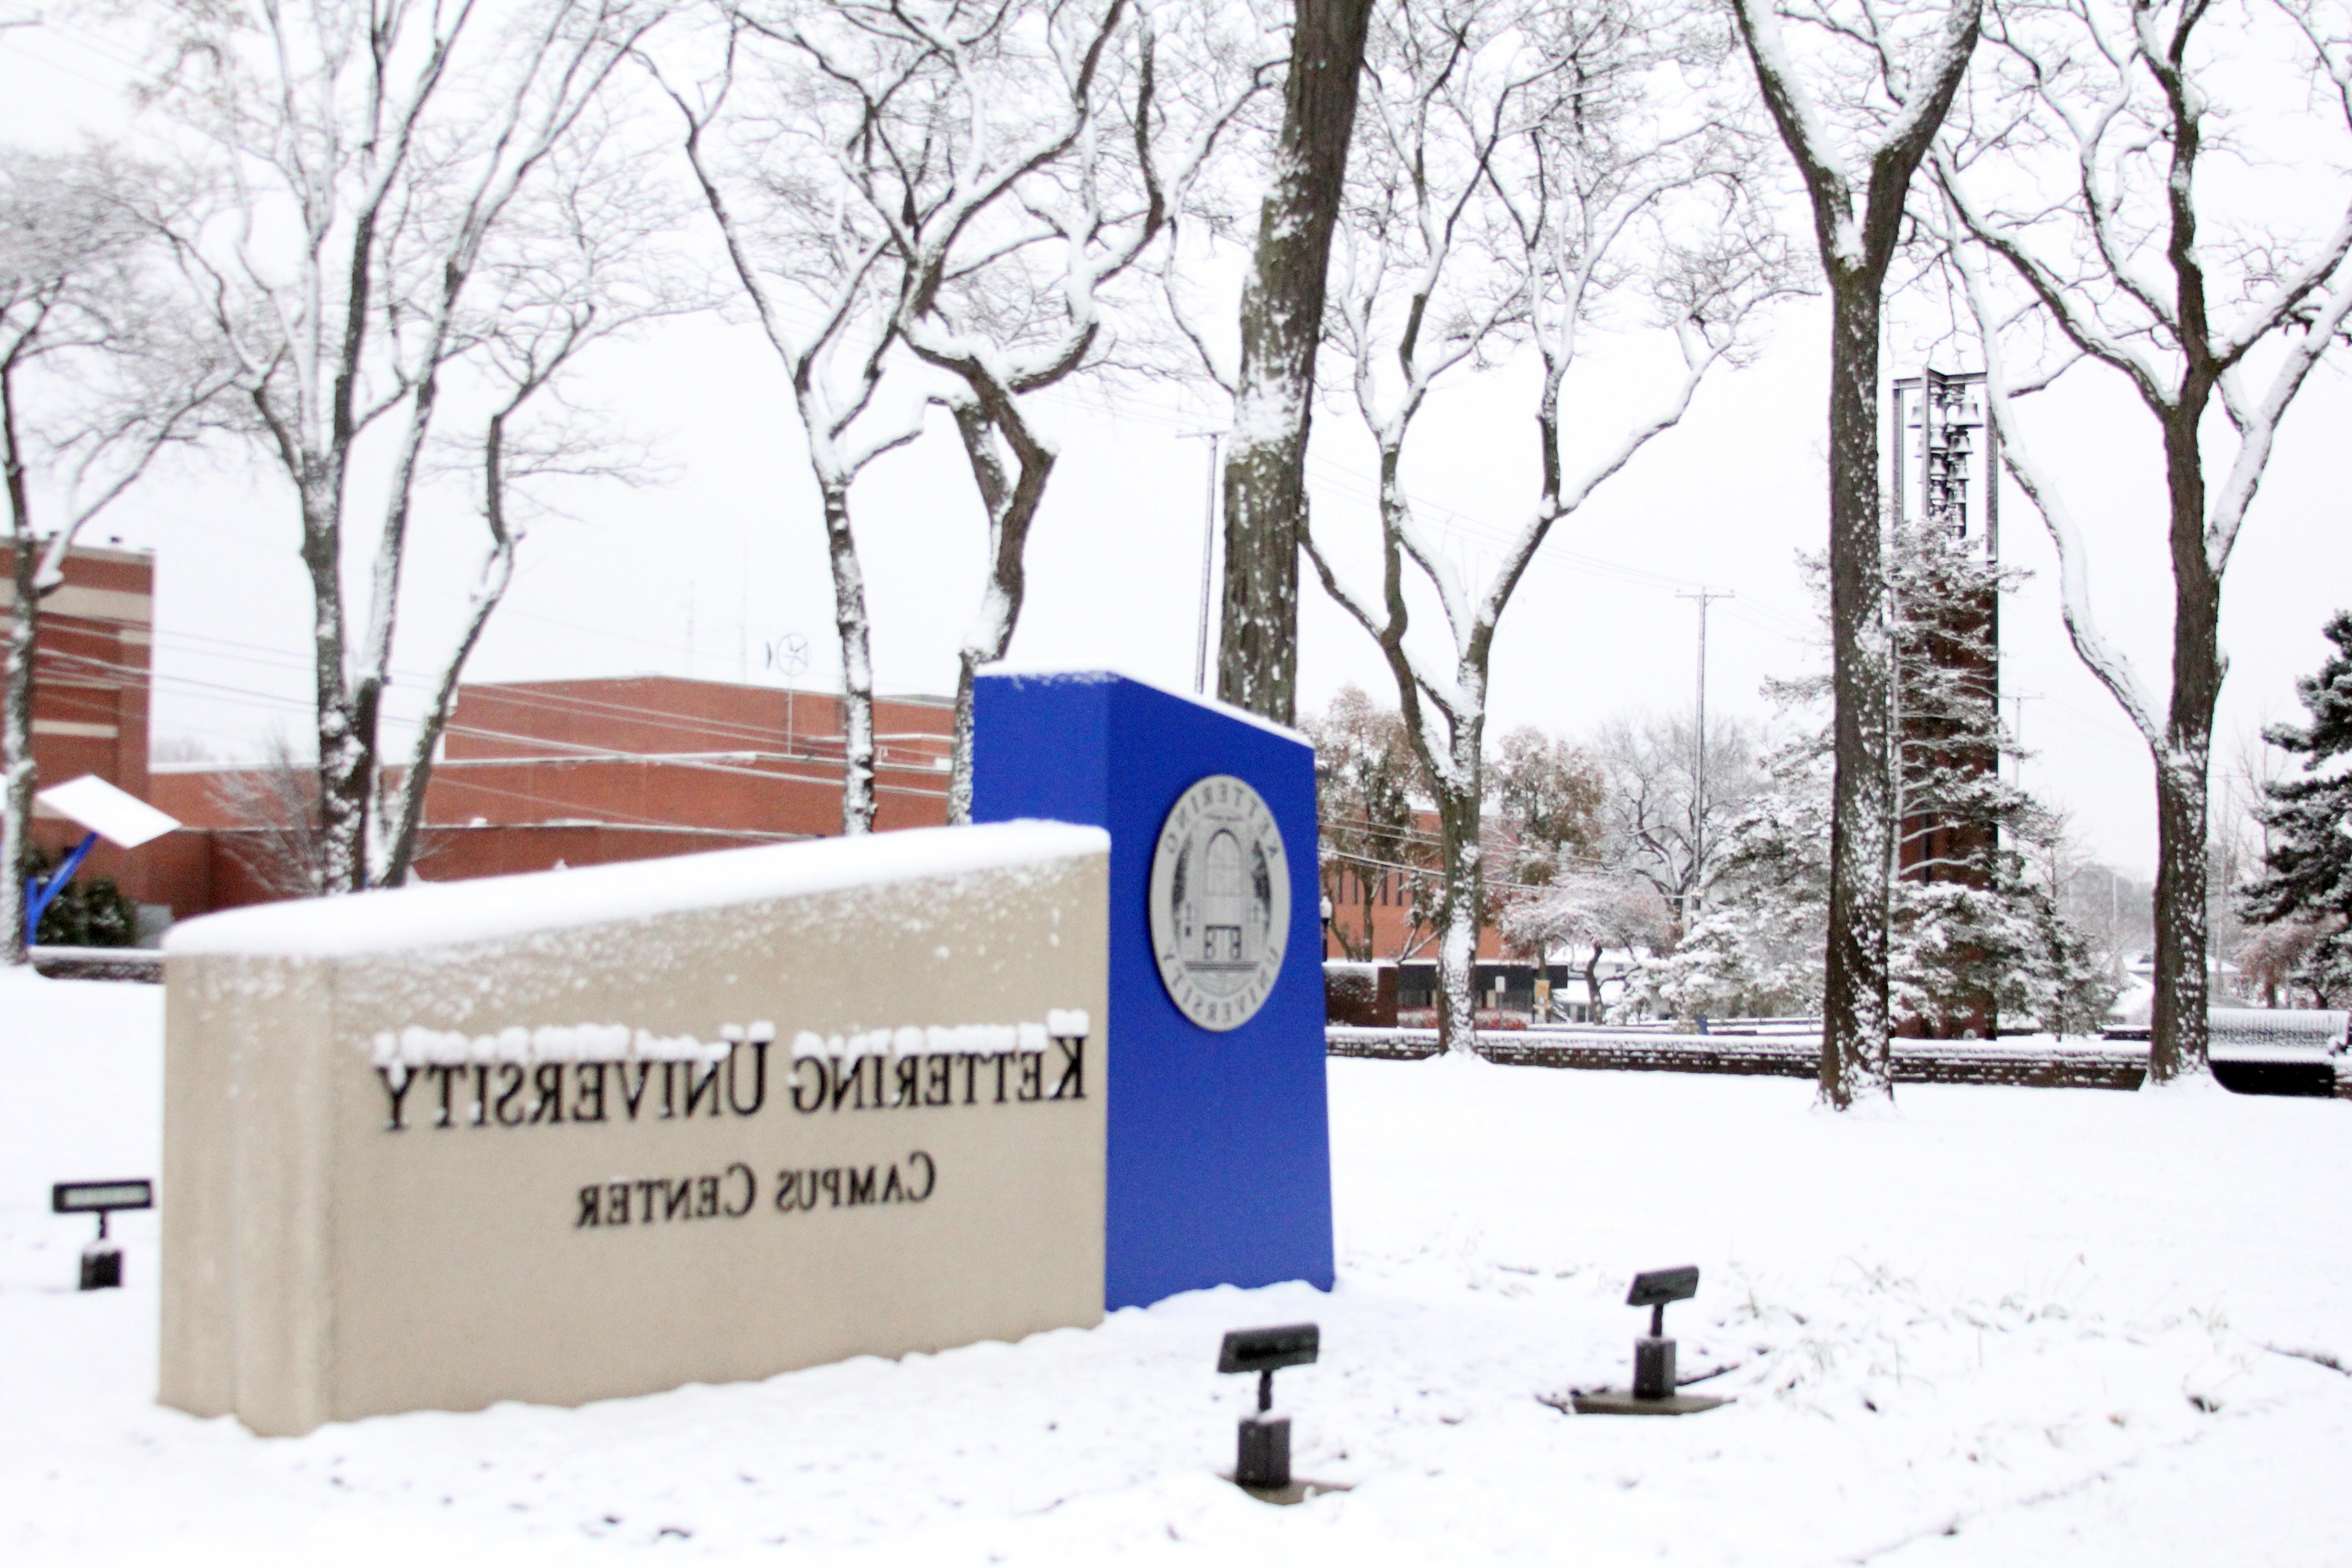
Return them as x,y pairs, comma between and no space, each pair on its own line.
1971,935
88,912
2307,860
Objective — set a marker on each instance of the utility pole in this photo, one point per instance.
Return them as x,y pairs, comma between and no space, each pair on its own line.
1698,777
1216,440
2016,701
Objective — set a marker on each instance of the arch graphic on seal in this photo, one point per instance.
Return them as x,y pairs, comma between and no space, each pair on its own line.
1220,902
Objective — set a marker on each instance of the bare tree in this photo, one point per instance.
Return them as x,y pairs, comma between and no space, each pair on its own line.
580,264
1274,387
276,800
2112,909
1590,910
368,158
1548,795
1544,816
2277,957
1520,179
1856,153
1014,160
1656,827
2127,249
824,284
1366,779
95,382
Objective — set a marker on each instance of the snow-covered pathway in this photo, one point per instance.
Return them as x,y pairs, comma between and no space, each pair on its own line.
2003,1326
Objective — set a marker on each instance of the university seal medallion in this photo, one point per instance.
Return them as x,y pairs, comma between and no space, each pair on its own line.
1220,902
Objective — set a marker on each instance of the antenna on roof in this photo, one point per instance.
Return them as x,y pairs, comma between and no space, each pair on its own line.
789,655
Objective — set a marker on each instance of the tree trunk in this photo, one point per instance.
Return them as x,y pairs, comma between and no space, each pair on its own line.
346,728
498,574
1854,1012
408,819
1457,924
856,665
1592,986
1012,499
23,775
1281,325
960,752
2177,1026
1855,248
1459,897
2176,1040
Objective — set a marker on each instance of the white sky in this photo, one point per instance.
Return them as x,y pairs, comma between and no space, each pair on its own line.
694,575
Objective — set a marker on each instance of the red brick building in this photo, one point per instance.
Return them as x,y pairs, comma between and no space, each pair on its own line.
537,774
89,699
533,775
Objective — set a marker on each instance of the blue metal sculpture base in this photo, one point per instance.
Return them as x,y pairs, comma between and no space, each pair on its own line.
1219,1156
42,892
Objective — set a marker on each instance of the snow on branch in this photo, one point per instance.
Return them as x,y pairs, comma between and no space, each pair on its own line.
2109,663
1005,167
1523,172
1917,83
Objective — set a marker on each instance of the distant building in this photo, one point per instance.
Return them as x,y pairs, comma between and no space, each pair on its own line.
533,775
537,774
1372,908
90,695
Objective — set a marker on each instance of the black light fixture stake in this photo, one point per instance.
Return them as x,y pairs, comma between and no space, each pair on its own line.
101,1260
1653,1353
1263,1464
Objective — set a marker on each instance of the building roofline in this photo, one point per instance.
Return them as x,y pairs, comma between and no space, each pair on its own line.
918,698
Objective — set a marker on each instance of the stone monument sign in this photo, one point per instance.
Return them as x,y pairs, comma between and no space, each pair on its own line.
603,1131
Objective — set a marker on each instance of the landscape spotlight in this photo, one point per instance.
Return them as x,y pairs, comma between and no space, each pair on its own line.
1653,1393
101,1260
1265,1461
1653,1353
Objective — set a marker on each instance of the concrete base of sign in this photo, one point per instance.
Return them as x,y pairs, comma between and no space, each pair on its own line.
604,1132
1624,1402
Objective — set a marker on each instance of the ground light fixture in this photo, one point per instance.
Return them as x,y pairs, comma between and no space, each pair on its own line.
101,1260
1262,1465
1655,1388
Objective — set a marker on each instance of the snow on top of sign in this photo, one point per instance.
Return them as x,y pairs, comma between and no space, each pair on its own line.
443,914
1099,674
956,1039
416,1047
115,816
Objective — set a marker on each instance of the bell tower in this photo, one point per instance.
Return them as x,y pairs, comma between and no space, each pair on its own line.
1945,472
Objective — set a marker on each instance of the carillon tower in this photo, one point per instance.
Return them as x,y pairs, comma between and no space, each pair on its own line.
1945,476
1947,456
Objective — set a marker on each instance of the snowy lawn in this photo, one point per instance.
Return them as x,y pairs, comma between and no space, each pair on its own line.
2001,1326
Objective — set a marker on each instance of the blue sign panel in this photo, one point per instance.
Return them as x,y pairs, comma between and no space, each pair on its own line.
1220,1156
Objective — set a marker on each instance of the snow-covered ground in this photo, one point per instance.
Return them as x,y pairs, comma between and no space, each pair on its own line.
2001,1326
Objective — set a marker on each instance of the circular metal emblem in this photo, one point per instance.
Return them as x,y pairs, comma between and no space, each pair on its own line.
1220,902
